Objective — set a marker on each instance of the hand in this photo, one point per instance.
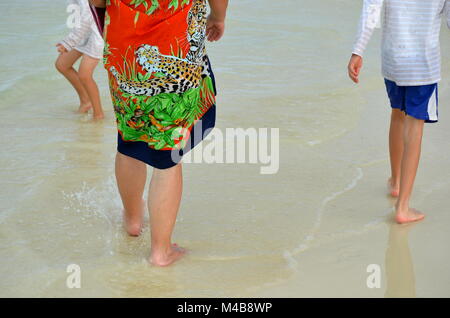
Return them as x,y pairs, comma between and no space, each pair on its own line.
354,67
215,28
61,48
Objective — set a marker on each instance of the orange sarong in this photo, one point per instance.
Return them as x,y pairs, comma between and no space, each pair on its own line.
160,77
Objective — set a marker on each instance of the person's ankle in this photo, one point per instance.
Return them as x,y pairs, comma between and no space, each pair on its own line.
395,182
98,114
158,257
134,229
402,206
160,250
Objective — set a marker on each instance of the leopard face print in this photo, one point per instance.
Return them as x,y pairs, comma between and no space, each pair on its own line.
178,75
152,61
196,30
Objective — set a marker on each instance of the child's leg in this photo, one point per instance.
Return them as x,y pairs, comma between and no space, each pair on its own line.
396,149
131,175
64,64
163,202
413,132
86,72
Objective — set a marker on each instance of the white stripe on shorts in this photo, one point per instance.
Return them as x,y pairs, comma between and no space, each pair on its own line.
432,107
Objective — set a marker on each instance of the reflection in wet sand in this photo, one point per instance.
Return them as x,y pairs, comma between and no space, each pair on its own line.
400,276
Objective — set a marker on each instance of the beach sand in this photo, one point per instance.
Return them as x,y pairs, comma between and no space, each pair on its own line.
310,230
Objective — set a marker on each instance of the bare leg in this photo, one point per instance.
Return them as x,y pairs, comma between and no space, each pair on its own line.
64,64
164,202
413,141
131,175
396,146
86,73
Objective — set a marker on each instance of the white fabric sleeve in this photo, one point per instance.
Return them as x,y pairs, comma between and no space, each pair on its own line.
370,19
82,29
447,12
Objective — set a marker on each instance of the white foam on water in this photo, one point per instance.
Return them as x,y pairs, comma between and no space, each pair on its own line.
310,237
97,202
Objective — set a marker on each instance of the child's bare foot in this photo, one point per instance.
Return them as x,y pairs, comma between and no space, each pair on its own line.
133,227
408,215
133,223
98,116
165,259
84,107
394,188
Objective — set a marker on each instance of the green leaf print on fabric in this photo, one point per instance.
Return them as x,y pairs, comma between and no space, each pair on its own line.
159,120
150,6
174,3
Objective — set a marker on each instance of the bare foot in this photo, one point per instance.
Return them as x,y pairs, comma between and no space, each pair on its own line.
133,224
98,116
394,189
84,107
408,216
166,259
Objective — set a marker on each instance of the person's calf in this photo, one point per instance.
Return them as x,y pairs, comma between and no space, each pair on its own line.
86,78
413,132
133,219
396,147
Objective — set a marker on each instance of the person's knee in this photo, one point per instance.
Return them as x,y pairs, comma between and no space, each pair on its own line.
398,114
128,161
60,67
415,121
85,76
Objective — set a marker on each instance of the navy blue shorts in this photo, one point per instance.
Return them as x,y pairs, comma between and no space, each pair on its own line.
420,102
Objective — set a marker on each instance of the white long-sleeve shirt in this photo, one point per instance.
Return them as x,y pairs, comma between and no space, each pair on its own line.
84,36
410,39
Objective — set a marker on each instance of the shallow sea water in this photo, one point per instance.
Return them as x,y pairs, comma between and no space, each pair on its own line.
309,230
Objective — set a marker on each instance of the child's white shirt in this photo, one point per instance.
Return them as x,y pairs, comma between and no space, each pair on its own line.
410,45
84,35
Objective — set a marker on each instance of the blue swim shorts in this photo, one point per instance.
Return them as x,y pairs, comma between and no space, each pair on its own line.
420,102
